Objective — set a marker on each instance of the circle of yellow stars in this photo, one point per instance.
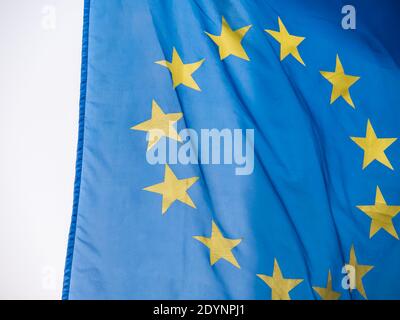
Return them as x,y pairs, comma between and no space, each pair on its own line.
172,188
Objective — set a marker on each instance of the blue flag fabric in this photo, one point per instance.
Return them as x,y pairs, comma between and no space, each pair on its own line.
312,216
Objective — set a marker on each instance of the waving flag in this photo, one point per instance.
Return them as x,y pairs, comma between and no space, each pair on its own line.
237,150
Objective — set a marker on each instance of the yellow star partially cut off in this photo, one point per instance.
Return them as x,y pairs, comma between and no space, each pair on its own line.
381,215
374,147
173,189
182,73
359,272
279,285
160,125
341,82
229,42
327,293
220,247
288,42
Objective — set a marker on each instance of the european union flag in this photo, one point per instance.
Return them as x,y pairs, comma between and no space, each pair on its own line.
237,150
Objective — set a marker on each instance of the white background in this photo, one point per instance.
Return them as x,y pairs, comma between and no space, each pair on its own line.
40,55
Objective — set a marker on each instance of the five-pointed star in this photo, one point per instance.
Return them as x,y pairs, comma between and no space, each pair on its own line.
182,72
230,41
288,42
220,247
280,286
173,189
160,125
374,147
327,293
359,272
381,215
341,82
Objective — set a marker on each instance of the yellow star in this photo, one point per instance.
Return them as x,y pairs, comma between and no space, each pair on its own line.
229,41
381,215
220,247
341,82
359,272
182,72
327,293
173,189
374,147
288,42
280,286
160,125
